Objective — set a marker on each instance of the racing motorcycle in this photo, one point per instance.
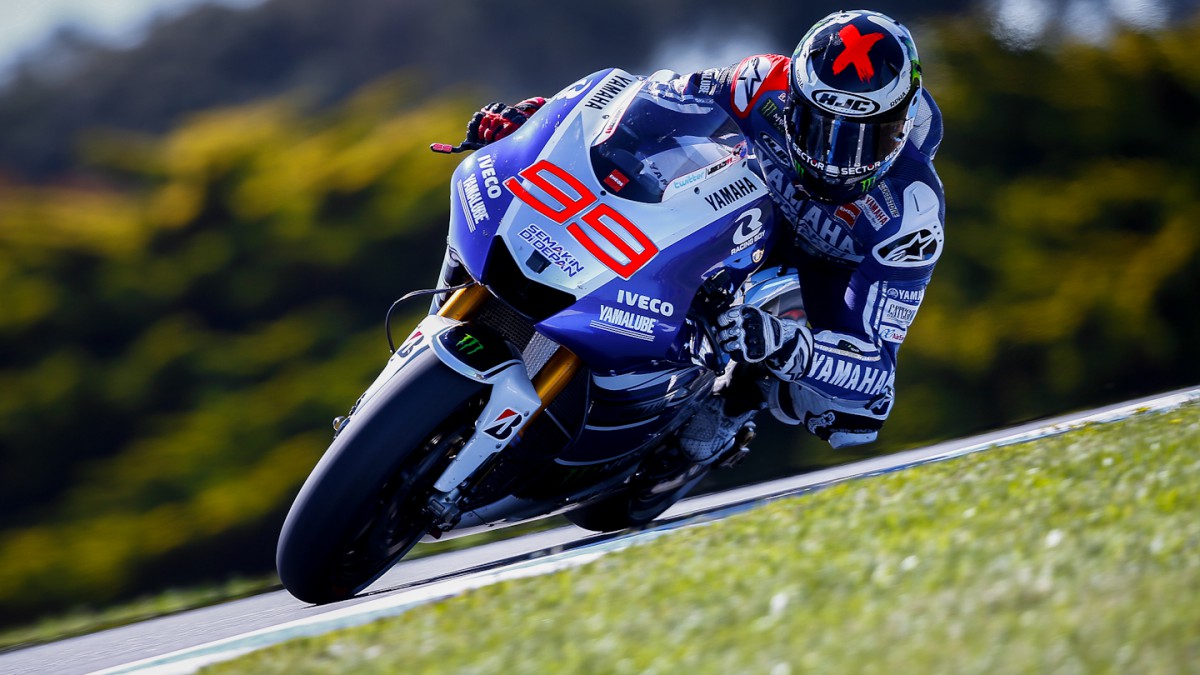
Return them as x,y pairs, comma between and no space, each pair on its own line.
601,240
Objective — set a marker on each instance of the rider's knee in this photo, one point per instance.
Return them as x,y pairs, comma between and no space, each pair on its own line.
841,422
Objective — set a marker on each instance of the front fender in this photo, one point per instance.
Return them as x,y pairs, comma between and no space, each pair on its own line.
481,354
474,352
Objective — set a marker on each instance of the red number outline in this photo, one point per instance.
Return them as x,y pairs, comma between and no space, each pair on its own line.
636,259
570,207
593,213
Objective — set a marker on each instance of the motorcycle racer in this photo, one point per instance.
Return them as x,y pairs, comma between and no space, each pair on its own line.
844,134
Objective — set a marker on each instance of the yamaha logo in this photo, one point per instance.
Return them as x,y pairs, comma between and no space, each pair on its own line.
843,103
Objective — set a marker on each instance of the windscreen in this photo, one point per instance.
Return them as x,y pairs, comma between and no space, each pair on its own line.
659,138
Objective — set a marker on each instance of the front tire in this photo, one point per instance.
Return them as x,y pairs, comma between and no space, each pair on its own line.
361,508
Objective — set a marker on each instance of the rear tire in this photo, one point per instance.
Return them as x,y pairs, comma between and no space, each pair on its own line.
361,508
638,503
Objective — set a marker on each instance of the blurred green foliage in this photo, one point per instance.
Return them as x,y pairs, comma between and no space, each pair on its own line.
213,56
1071,268
174,338
173,350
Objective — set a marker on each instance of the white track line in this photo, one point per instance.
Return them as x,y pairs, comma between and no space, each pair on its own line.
786,487
692,511
193,658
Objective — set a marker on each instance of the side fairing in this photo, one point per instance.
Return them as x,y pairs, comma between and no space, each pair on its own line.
632,267
626,322
478,201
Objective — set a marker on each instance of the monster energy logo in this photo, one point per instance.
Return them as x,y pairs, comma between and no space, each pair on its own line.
770,110
469,345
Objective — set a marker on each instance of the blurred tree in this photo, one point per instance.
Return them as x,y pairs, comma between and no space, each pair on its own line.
168,352
1071,226
217,56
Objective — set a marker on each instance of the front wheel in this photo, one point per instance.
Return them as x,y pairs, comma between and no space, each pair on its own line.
362,508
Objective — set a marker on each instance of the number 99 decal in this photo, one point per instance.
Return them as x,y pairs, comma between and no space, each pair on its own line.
600,218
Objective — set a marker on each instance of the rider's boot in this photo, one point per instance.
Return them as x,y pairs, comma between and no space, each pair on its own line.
720,432
716,435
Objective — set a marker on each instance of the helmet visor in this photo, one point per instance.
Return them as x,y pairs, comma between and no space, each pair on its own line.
839,150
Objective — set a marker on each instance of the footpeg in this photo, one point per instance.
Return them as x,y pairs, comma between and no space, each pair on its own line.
678,481
741,448
444,510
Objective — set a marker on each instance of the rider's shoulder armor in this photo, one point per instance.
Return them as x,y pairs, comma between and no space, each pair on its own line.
907,208
754,81
739,88
898,223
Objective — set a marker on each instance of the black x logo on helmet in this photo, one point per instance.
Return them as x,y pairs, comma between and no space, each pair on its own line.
854,90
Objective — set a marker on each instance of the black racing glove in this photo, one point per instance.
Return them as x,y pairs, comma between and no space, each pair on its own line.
497,120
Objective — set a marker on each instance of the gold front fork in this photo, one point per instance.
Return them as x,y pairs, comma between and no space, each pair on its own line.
464,302
556,374
553,378
550,380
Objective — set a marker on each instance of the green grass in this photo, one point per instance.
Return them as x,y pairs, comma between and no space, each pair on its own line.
1076,554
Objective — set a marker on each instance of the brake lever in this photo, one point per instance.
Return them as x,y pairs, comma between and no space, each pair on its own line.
447,149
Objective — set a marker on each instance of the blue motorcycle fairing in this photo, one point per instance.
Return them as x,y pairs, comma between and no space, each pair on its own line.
624,416
632,311
478,200
710,215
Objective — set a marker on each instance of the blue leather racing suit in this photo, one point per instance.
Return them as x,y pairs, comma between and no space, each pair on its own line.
859,270
861,267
